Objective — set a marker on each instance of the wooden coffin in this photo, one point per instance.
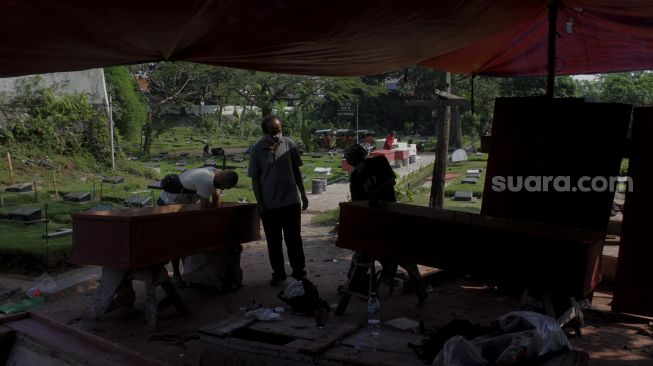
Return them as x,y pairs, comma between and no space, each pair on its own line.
135,238
555,259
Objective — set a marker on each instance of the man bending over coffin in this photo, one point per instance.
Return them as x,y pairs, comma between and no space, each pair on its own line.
191,186
373,180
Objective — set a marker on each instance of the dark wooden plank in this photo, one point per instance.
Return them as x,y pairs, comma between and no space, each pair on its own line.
388,340
371,357
555,138
633,291
83,347
293,326
625,153
7,337
334,333
227,326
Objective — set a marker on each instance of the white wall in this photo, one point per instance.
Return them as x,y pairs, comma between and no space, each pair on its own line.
89,82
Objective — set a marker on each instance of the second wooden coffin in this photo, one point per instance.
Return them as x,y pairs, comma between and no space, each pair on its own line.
135,238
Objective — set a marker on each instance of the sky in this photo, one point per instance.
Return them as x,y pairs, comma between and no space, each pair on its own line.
585,77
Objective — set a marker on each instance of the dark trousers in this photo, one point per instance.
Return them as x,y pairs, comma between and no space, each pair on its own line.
286,220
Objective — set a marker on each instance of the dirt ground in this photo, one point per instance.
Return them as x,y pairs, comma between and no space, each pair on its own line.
609,341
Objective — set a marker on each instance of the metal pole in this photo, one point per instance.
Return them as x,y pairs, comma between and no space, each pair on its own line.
107,98
551,49
47,241
11,168
113,150
442,153
357,122
472,93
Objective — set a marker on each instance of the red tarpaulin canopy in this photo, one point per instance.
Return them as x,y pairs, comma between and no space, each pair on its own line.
488,37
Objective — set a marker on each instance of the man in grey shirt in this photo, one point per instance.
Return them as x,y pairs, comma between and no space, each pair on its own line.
278,186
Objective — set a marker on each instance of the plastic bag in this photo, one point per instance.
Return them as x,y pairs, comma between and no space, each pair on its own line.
42,284
304,298
295,289
263,314
523,335
458,351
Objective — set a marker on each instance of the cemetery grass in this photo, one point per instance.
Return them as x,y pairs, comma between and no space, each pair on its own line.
24,250
327,218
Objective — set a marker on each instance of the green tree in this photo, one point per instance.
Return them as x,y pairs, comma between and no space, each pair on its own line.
129,110
634,88
170,84
311,98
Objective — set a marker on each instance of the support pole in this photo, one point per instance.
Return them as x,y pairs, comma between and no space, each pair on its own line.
356,122
551,48
54,183
47,241
11,168
472,93
113,148
442,153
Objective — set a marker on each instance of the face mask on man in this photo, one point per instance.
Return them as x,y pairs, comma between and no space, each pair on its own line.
276,137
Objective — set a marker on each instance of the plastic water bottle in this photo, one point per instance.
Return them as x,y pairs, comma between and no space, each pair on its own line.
373,310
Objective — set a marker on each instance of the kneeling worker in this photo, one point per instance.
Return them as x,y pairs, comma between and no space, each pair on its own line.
200,184
191,186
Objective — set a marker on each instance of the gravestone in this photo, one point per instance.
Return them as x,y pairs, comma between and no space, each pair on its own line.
180,169
138,200
469,181
163,153
473,175
151,165
25,214
20,188
100,207
458,156
155,184
157,158
238,159
321,170
132,158
474,171
113,180
184,154
463,196
58,233
211,164
78,197
181,163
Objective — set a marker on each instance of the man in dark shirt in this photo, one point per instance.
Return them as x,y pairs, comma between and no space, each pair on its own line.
372,179
278,186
